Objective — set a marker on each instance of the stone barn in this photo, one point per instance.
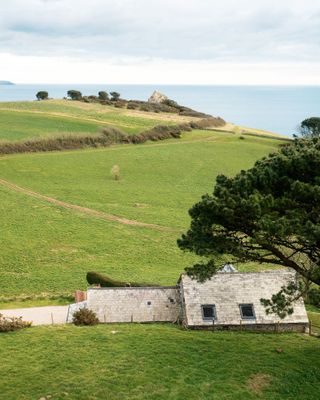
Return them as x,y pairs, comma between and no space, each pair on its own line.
135,304
232,299
229,300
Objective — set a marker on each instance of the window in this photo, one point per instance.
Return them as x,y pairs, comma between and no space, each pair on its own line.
247,311
209,312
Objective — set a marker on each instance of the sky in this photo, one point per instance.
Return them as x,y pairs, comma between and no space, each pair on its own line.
161,41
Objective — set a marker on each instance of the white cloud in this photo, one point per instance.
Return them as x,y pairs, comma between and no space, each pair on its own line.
222,40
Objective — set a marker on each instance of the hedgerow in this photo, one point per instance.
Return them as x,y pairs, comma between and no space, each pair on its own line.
107,137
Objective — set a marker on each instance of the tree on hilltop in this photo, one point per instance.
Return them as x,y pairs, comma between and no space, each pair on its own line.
310,127
268,214
74,94
115,96
42,95
103,95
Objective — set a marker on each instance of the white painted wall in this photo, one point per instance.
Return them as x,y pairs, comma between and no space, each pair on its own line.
228,290
131,304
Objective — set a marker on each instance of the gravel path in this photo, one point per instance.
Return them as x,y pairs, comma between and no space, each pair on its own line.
40,315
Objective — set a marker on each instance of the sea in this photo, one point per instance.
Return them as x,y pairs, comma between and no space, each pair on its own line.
277,109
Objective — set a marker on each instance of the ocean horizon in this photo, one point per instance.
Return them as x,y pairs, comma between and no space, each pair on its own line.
278,109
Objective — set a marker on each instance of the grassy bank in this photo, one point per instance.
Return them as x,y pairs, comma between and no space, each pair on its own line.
156,362
49,248
32,119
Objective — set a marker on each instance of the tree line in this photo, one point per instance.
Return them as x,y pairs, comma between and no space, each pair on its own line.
77,95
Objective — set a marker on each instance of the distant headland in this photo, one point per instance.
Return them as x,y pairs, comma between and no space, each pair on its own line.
6,83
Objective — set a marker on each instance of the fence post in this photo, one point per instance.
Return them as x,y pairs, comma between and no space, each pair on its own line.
52,318
241,325
310,328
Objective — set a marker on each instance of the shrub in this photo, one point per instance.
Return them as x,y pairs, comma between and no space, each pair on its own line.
84,316
115,172
170,103
132,105
115,96
103,95
146,107
42,95
74,94
207,123
95,278
241,137
314,297
9,324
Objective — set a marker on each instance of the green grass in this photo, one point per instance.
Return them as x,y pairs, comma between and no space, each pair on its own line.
314,317
154,362
24,120
49,249
159,182
34,303
16,126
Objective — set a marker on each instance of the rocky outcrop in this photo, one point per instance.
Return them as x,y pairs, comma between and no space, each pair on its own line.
157,97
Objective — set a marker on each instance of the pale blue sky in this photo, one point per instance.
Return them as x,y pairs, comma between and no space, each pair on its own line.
161,41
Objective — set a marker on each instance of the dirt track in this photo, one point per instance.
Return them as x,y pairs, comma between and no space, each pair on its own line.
83,210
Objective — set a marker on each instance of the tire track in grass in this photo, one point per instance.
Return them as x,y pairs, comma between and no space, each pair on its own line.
85,210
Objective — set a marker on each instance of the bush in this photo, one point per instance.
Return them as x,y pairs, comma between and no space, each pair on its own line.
146,107
74,94
84,316
132,105
115,172
42,95
9,324
207,123
170,103
95,278
103,95
314,297
115,96
241,137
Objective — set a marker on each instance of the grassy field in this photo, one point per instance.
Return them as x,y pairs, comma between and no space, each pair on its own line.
156,362
48,248
62,215
159,182
314,317
29,119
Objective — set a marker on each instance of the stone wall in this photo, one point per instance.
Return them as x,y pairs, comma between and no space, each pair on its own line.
135,304
228,290
75,307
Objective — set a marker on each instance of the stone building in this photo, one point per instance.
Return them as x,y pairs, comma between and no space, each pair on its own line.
229,300
135,304
232,300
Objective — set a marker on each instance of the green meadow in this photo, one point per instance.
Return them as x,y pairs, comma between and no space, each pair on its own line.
62,215
47,248
148,362
30,119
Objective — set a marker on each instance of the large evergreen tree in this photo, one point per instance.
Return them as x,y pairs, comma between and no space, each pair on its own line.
267,214
310,127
